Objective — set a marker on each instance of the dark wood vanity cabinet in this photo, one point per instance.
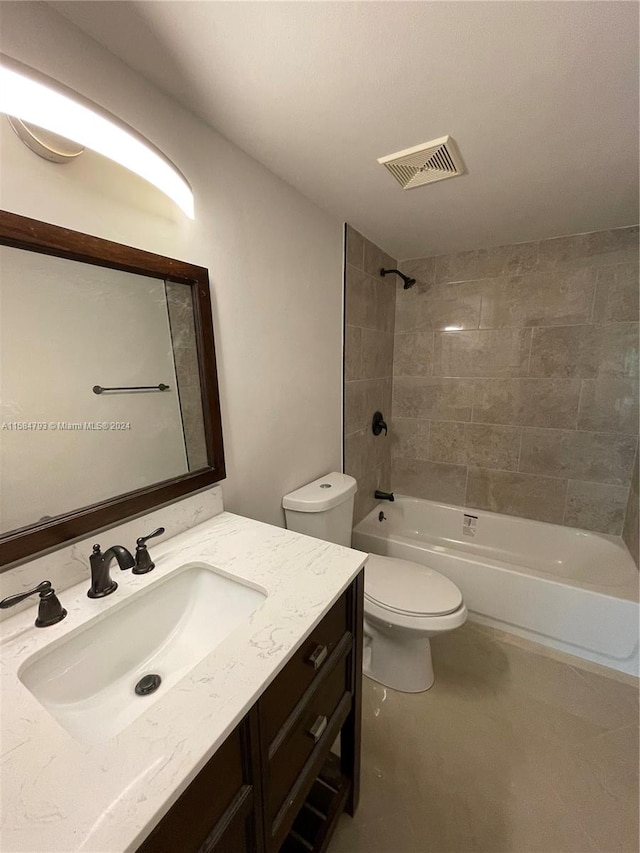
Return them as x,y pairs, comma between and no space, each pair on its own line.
275,785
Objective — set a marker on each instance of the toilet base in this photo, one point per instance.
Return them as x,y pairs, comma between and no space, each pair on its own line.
402,664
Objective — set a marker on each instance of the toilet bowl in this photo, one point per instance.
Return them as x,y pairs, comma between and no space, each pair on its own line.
405,603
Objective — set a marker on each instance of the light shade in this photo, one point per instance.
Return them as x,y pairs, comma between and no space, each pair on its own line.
35,98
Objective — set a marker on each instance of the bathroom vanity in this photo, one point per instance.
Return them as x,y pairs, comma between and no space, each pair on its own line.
235,754
275,784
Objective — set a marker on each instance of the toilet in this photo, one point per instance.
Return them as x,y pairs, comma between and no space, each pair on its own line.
405,603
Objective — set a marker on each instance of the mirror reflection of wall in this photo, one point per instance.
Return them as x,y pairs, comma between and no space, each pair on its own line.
66,326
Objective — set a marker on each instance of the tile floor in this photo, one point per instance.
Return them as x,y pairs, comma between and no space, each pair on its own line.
510,751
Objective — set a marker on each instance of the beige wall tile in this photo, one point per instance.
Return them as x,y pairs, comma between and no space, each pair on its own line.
523,258
585,351
525,495
489,352
527,402
359,309
364,452
595,506
353,455
362,399
411,315
565,351
453,307
422,269
355,248
429,480
549,332
353,353
486,263
618,293
410,438
539,299
353,407
442,306
438,399
375,478
474,264
376,259
608,244
413,354
598,247
493,446
357,460
619,350
484,445
599,457
449,443
370,303
609,404
369,354
370,309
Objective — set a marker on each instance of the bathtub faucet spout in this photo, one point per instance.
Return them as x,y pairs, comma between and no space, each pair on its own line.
384,496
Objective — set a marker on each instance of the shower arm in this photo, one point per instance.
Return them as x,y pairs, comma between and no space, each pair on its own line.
408,282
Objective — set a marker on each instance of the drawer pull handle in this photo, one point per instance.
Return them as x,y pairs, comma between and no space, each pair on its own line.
317,729
318,656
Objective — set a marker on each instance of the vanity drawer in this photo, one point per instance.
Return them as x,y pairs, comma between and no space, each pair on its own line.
308,662
311,729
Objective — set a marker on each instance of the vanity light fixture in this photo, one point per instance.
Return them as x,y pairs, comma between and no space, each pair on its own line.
31,98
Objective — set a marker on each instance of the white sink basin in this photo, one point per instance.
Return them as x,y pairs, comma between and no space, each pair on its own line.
87,682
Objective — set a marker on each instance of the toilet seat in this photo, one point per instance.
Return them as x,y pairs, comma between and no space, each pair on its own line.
409,589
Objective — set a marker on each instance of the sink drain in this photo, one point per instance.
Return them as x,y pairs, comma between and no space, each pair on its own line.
148,684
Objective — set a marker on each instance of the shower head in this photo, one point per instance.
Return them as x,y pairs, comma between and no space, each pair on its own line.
408,282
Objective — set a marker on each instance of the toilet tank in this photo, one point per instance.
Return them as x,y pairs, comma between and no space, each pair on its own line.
323,509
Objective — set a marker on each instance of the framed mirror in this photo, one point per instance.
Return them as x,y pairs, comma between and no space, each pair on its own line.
108,385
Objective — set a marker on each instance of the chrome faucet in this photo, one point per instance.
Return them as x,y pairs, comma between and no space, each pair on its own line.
101,582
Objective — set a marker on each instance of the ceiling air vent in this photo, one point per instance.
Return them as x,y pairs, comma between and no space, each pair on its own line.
424,164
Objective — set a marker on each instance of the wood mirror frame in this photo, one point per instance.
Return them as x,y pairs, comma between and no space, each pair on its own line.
22,233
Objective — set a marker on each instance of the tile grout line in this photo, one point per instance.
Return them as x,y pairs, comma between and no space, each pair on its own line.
514,471
595,296
533,330
566,504
466,486
520,449
582,381
507,426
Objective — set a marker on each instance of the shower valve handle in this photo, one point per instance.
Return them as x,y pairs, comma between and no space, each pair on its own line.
378,424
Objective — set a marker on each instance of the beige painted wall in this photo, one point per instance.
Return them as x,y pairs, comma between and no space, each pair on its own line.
274,258
516,379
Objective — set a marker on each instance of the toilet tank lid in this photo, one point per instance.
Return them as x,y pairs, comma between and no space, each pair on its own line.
323,494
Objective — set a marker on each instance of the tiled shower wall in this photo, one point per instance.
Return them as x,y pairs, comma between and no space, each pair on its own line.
516,380
369,319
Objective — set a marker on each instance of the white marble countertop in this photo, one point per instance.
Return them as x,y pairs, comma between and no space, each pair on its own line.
59,794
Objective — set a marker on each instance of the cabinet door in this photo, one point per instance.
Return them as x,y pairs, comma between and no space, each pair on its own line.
223,802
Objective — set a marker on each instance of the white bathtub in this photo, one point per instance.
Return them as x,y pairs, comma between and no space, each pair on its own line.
570,589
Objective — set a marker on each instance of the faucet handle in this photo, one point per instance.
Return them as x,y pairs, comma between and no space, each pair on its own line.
50,610
144,563
143,539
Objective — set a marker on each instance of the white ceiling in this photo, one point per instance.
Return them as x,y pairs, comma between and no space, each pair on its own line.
541,97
